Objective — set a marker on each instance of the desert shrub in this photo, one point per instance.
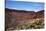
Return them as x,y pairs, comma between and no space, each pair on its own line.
37,24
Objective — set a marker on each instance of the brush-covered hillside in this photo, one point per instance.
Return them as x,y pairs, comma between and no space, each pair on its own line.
21,19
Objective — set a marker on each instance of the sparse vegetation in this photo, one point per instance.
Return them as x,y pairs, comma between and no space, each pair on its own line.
35,25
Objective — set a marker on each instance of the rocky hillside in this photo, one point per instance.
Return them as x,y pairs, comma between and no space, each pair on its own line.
15,17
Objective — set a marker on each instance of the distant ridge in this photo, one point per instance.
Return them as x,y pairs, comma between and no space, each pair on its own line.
6,9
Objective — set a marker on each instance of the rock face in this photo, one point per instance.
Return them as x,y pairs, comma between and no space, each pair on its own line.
15,17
